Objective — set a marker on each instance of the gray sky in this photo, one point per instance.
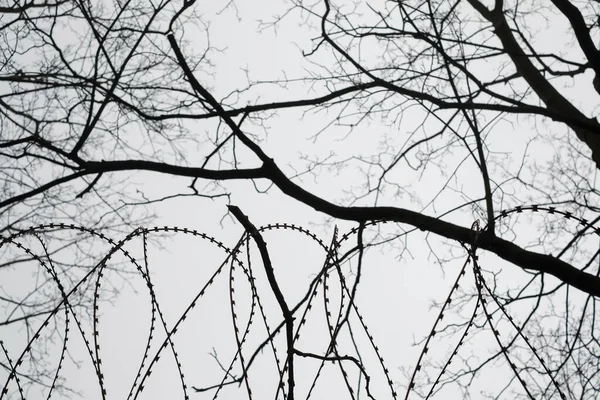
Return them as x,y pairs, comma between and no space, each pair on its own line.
400,280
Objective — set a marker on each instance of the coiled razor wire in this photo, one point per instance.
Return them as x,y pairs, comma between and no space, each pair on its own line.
330,273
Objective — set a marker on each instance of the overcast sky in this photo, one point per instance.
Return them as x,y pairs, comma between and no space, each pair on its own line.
400,280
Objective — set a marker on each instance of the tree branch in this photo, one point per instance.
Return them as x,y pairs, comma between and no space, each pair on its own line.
555,102
285,310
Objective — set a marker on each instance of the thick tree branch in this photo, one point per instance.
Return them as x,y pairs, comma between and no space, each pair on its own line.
96,167
101,167
285,309
555,102
503,248
581,32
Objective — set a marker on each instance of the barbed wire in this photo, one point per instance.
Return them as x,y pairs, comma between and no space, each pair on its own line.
337,318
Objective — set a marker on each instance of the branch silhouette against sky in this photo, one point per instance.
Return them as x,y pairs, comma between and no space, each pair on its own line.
429,115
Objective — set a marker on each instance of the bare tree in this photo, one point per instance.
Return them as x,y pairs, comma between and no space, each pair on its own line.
91,91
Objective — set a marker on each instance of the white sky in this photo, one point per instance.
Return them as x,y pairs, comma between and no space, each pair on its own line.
396,290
